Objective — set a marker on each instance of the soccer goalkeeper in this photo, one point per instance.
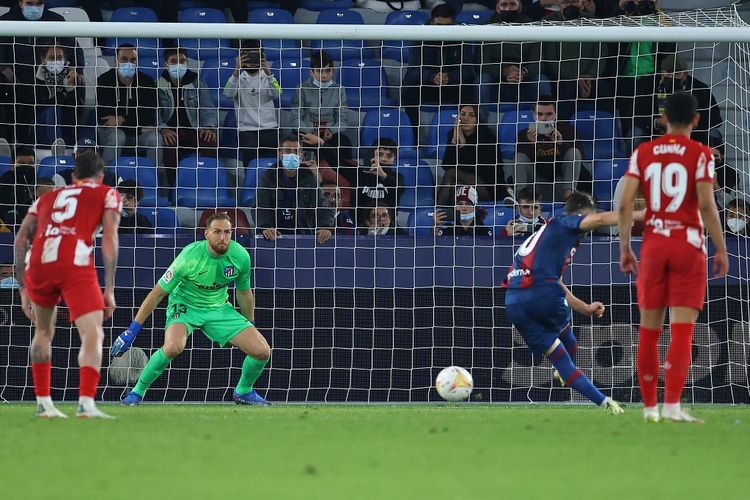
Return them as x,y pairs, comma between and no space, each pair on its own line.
197,284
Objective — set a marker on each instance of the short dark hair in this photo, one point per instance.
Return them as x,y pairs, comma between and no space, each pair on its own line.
385,143
320,60
129,187
217,216
546,100
578,201
737,203
88,165
123,46
170,51
22,150
528,193
681,108
288,138
443,10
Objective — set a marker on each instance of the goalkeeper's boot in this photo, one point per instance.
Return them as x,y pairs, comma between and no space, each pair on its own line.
674,413
612,406
557,375
131,399
91,411
250,398
651,415
48,411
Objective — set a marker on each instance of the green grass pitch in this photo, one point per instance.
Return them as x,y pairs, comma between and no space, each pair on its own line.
373,452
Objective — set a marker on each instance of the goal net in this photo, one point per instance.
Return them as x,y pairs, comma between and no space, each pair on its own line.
399,291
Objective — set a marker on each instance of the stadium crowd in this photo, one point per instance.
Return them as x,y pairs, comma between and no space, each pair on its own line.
475,139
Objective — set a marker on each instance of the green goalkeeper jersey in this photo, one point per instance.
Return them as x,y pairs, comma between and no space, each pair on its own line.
198,278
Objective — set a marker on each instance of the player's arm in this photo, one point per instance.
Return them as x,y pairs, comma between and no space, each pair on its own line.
110,248
604,219
579,306
246,301
123,342
710,214
20,248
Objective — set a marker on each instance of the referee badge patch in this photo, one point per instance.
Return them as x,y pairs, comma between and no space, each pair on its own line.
228,271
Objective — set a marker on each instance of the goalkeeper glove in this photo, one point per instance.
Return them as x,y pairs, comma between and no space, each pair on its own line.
125,339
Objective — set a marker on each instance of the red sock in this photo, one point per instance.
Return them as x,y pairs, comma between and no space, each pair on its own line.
41,373
89,381
648,364
678,362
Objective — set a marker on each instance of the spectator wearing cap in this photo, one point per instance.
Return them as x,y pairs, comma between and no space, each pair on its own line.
468,219
674,77
126,102
529,218
131,221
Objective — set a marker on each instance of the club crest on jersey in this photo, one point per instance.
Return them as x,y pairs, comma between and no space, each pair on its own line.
228,271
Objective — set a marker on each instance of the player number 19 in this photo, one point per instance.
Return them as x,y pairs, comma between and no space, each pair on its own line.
672,181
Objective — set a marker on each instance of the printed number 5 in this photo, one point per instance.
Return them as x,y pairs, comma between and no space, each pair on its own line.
66,204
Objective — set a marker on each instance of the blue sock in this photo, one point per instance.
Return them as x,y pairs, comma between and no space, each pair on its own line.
570,342
572,376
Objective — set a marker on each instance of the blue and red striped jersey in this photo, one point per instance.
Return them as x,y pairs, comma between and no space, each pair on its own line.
544,256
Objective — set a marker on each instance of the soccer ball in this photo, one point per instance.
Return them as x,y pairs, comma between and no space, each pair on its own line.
454,383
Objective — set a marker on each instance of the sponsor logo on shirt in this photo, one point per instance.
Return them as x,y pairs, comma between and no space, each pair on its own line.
167,276
519,273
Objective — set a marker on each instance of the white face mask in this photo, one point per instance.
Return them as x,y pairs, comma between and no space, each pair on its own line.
378,230
322,85
736,225
55,66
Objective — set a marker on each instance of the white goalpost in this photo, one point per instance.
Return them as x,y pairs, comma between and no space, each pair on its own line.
371,317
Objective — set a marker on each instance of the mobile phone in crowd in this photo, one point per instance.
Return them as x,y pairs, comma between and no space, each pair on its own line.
544,128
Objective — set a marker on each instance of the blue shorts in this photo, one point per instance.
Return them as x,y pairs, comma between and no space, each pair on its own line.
540,316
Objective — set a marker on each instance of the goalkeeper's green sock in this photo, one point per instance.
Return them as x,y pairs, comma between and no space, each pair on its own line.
155,366
251,370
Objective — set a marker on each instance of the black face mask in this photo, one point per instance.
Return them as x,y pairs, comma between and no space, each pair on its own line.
25,170
508,16
646,8
571,12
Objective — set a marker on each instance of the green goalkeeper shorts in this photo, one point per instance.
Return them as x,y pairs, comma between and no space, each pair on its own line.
219,324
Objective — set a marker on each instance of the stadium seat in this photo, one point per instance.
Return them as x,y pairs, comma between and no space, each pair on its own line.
419,184
437,136
52,165
147,47
51,4
160,218
340,49
421,221
228,137
6,164
510,125
216,73
253,172
365,83
273,49
399,50
386,122
144,173
322,5
202,49
201,183
499,216
599,132
290,73
606,174
473,16
151,66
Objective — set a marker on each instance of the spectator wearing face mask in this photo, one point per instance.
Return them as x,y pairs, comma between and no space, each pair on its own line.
529,219
126,102
7,279
132,221
289,199
468,219
320,113
254,87
736,217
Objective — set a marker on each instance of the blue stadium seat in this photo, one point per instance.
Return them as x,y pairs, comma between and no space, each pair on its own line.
144,173
419,184
216,73
473,16
321,5
421,221
340,49
274,48
50,4
290,73
201,183
52,165
499,216
510,125
147,47
365,83
606,173
6,164
202,48
253,172
386,122
599,132
151,66
160,218
399,50
437,136
228,136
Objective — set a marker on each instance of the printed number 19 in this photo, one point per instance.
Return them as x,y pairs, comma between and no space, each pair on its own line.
672,181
